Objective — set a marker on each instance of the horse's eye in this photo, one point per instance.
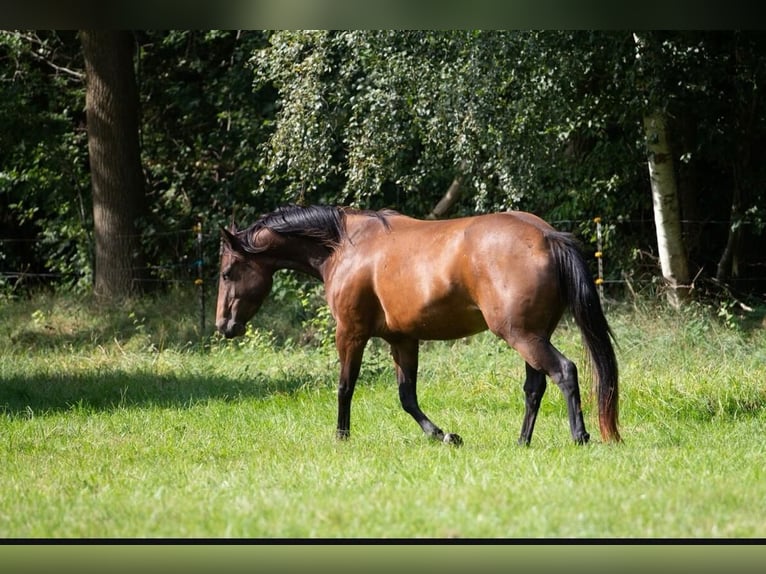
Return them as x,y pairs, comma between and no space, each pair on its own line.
225,276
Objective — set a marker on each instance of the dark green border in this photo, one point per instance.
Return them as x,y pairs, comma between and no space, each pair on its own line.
349,14
697,557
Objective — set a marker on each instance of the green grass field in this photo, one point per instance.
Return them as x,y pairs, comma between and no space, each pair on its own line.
126,422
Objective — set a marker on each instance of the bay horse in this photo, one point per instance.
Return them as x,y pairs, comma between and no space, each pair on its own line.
405,280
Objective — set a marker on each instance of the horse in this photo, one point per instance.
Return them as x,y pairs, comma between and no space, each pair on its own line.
405,280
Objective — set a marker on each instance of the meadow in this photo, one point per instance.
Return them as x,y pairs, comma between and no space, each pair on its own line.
127,422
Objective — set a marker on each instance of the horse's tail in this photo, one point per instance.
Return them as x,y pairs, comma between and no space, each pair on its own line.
579,292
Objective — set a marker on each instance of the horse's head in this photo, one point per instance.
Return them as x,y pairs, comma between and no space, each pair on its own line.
244,283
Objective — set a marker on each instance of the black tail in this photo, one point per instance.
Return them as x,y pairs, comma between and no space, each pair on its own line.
579,292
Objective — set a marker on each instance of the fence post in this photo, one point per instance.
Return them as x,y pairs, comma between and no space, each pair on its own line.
199,281
599,255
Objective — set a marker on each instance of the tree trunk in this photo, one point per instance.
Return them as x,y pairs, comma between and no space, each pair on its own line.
667,213
449,199
451,196
745,110
667,219
728,263
112,111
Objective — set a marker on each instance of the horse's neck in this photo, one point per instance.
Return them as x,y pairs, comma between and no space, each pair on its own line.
301,255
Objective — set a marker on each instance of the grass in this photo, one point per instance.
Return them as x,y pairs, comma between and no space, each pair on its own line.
127,422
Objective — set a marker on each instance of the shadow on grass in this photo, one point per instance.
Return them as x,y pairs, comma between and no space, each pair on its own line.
50,321
36,395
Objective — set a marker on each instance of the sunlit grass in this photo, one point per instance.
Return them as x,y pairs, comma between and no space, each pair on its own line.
110,432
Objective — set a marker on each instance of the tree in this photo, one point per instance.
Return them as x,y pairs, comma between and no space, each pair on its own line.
387,118
665,201
111,100
667,214
202,127
547,121
745,110
497,119
44,185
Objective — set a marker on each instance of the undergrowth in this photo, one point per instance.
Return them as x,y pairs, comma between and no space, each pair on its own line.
132,420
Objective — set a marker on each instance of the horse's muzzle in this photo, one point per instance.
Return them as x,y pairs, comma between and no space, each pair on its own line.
230,328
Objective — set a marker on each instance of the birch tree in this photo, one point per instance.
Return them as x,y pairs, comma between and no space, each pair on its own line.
667,217
667,213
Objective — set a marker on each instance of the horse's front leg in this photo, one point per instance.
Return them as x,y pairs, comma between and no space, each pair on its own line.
405,353
350,352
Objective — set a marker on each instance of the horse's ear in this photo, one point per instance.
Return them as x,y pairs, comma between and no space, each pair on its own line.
230,239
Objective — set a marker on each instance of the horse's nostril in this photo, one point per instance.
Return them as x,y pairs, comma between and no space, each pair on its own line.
230,328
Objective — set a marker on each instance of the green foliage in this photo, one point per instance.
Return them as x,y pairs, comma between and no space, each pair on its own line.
544,121
202,125
394,116
235,123
44,187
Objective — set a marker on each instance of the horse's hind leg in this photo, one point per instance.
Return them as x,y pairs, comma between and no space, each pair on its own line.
405,353
534,389
542,356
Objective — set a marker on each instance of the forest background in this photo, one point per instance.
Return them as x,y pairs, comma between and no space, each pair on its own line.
230,124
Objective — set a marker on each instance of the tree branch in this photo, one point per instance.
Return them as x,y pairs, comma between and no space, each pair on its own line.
450,198
44,54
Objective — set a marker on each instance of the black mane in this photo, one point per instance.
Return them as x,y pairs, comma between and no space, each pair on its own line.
327,224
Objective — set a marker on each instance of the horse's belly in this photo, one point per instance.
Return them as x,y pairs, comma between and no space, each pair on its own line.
438,322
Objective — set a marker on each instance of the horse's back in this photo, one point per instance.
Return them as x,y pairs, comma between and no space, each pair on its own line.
445,279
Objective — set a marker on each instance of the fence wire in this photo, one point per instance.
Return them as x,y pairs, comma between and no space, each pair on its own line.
196,271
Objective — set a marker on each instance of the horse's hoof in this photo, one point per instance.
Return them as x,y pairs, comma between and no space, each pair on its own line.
453,439
583,439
